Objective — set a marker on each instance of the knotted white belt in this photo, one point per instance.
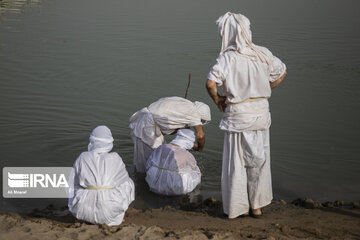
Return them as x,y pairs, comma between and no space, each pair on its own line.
247,117
249,100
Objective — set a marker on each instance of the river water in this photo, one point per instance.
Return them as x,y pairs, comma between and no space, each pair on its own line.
67,66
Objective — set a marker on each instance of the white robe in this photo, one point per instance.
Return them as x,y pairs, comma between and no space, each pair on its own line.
172,170
244,70
246,176
164,116
103,206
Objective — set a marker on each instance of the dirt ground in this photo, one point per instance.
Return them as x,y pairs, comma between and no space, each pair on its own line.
204,220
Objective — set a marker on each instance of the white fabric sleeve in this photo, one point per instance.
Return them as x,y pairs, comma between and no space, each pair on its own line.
277,69
216,72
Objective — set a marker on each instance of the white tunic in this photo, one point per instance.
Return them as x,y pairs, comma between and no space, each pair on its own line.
241,78
172,170
104,205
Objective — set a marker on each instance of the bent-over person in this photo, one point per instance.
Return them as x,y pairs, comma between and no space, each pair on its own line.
163,117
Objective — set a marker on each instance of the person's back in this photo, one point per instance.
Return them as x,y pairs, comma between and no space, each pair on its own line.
246,73
241,78
171,169
171,113
102,187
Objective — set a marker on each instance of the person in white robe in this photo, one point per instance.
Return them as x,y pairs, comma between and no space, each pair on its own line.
163,117
171,168
245,74
100,186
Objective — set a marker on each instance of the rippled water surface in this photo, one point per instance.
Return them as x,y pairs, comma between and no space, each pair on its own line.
67,66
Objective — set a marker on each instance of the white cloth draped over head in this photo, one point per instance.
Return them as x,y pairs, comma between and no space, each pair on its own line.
204,111
101,140
236,36
185,138
165,116
172,170
105,172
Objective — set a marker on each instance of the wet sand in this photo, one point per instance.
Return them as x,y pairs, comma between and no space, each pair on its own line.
301,219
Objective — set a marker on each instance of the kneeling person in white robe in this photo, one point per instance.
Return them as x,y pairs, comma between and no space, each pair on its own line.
102,187
171,168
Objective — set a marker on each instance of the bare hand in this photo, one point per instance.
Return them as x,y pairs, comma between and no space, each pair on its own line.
196,147
220,103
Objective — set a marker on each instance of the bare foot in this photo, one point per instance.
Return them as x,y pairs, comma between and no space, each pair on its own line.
256,212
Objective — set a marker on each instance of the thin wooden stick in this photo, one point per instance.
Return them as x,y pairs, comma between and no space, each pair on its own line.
188,85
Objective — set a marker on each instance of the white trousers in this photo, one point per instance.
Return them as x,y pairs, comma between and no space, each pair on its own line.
246,176
142,152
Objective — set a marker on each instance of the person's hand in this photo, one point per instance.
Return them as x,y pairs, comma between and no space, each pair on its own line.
195,147
220,103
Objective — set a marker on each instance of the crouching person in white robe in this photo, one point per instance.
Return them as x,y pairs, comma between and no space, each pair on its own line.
163,117
171,168
245,74
102,188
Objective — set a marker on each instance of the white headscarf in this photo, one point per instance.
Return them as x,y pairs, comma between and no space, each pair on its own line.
204,111
185,138
236,36
101,140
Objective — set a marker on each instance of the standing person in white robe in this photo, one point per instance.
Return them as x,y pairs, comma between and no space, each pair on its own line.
171,168
245,73
102,187
163,117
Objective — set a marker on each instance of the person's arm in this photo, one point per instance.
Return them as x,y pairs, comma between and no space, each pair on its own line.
277,82
218,100
200,136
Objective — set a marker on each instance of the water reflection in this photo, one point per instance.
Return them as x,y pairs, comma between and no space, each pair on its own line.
16,6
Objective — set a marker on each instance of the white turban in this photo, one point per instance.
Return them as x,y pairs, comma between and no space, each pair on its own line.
236,36
185,138
204,111
101,140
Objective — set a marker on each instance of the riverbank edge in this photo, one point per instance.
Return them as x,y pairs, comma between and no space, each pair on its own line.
301,218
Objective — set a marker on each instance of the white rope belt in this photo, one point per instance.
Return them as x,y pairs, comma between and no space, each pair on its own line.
249,100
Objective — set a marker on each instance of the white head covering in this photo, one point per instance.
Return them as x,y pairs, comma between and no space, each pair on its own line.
236,36
101,140
204,111
185,138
